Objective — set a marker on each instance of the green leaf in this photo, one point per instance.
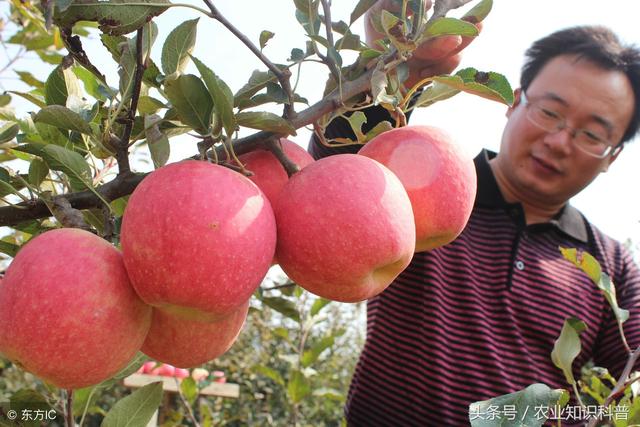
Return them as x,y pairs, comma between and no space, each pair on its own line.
318,305
329,393
8,248
177,47
269,373
588,264
377,130
6,188
281,332
221,95
309,18
356,121
310,356
265,36
189,389
489,85
434,93
134,364
91,84
31,97
567,347
38,171
584,261
297,55
55,88
30,79
52,58
149,105
158,142
70,163
360,9
479,11
189,96
5,99
112,44
63,118
256,83
349,41
450,27
264,120
135,409
298,387
284,306
116,17
394,29
127,69
523,402
8,132
379,87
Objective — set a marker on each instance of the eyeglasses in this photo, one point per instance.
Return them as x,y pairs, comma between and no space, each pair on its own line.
591,141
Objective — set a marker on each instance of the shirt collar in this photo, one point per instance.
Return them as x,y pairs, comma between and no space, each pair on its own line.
569,220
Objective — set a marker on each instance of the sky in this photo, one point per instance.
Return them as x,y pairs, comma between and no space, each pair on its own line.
612,202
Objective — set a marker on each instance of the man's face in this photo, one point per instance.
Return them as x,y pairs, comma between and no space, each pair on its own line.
548,168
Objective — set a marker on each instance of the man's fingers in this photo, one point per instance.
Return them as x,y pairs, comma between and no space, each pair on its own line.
437,48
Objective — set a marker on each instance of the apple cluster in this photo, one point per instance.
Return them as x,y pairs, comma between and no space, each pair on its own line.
197,239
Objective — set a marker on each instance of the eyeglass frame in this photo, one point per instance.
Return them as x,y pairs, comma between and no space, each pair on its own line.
611,150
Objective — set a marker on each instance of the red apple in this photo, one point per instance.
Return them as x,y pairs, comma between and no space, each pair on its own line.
181,373
439,178
345,228
219,377
68,313
188,343
268,173
197,239
149,366
164,370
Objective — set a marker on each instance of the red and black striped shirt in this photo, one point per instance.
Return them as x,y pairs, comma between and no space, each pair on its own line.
478,318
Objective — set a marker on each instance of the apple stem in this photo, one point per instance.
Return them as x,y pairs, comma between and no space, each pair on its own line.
274,145
69,409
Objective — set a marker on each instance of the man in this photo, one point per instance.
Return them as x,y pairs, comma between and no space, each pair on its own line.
478,318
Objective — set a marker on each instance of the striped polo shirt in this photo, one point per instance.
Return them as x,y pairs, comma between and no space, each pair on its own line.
478,317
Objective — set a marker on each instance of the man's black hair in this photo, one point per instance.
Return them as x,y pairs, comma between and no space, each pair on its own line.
596,44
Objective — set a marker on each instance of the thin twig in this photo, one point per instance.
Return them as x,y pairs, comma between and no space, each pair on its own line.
122,152
283,75
331,62
621,384
192,416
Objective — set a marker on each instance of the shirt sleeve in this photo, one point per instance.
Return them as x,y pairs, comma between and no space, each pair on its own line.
610,351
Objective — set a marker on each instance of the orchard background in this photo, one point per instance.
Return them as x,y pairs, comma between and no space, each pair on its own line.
285,321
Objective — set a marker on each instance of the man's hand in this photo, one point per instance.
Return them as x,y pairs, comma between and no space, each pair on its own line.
440,55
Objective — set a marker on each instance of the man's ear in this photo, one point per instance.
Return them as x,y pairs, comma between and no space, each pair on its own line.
516,101
610,160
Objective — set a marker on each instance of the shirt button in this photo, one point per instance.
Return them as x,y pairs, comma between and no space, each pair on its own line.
520,265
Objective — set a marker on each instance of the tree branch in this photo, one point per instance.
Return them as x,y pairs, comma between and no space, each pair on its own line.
121,186
283,75
125,183
621,384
